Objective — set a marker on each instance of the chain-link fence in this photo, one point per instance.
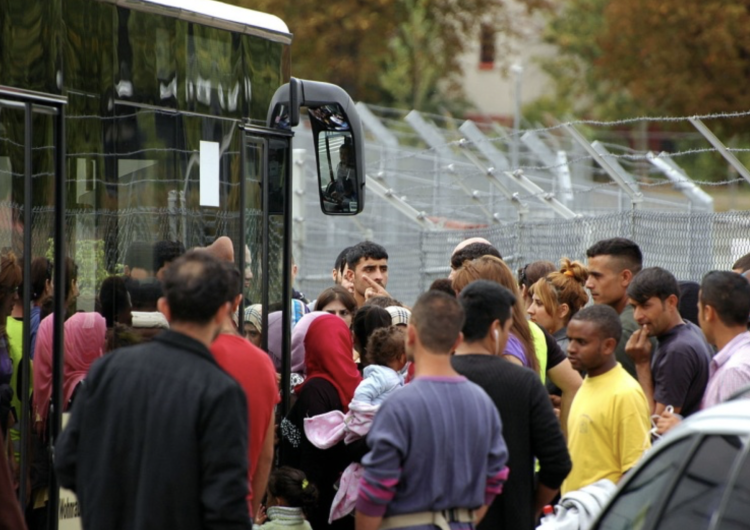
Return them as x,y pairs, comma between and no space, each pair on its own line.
688,244
425,196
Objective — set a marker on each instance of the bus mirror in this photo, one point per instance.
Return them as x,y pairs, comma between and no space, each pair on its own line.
339,176
338,139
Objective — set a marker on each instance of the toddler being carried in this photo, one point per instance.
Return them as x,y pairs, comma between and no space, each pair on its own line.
386,355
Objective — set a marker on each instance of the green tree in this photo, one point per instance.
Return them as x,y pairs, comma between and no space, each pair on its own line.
679,56
621,58
416,64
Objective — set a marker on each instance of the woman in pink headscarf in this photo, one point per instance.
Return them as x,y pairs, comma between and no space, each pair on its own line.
85,337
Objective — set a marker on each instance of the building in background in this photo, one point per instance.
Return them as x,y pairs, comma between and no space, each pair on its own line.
490,76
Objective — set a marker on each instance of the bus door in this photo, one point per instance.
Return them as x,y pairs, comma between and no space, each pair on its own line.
266,228
32,202
267,162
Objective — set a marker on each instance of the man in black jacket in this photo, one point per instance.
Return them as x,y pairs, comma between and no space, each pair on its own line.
530,428
158,433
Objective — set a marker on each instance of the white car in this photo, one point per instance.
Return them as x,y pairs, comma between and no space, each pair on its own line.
697,477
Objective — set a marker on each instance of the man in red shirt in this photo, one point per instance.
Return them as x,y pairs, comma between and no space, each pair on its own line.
252,368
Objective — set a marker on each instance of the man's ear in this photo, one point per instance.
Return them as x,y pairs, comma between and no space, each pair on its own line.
459,340
349,274
163,306
236,303
411,335
222,313
709,313
627,277
609,345
334,275
495,327
673,301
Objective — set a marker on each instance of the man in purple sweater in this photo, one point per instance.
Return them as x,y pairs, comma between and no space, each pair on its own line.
437,456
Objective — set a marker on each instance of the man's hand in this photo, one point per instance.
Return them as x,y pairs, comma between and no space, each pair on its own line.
666,422
348,285
638,347
374,289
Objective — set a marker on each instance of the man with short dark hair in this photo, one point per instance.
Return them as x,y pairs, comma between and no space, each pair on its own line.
470,252
253,369
677,372
165,252
470,249
609,421
339,267
530,427
723,310
368,271
158,432
437,455
612,265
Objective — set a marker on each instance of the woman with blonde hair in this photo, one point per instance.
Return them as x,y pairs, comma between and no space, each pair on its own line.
495,270
544,352
557,297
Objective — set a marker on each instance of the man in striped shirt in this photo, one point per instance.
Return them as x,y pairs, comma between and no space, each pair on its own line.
437,456
723,311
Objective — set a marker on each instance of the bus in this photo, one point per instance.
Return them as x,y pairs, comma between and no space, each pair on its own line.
125,124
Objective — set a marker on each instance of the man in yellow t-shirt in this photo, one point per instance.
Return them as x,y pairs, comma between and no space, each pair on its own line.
608,426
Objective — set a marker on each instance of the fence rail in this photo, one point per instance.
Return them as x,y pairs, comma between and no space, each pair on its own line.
435,181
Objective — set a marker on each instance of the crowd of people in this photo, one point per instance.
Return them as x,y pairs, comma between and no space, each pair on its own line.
490,397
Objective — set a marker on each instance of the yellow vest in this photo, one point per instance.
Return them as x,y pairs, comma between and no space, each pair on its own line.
14,329
540,349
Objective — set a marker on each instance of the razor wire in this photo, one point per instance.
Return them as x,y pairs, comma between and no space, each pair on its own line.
433,180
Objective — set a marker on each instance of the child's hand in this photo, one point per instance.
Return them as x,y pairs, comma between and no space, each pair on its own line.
261,517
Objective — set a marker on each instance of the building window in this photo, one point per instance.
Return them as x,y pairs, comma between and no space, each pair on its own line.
487,47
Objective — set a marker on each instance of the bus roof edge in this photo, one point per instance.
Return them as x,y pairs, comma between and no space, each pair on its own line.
216,14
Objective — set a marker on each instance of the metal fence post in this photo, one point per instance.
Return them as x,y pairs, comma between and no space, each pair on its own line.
435,140
721,148
697,197
636,197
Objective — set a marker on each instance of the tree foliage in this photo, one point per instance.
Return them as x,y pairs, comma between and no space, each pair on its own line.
679,56
386,51
669,57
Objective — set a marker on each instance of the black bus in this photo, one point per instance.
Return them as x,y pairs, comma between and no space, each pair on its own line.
125,123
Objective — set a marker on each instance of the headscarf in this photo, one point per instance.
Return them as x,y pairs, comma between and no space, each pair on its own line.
328,355
299,309
298,340
399,315
43,369
85,337
254,316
